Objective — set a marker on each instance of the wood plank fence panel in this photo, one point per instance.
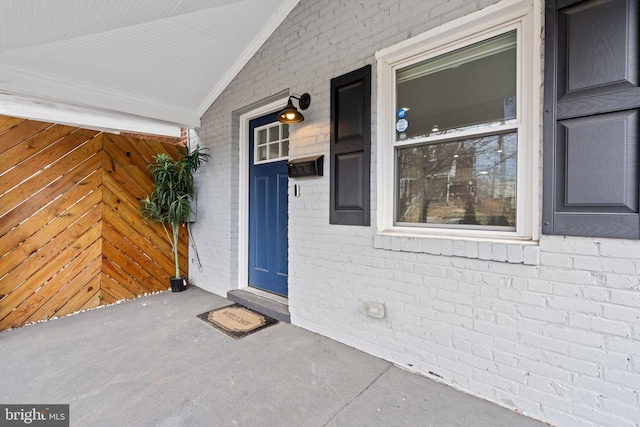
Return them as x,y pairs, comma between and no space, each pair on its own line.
56,170
124,167
31,146
131,177
111,287
151,148
53,155
44,289
144,269
120,267
183,251
7,123
52,303
124,206
19,132
42,268
47,194
71,235
87,297
61,206
159,255
32,244
38,259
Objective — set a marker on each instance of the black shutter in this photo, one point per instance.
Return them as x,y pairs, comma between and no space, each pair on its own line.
350,154
591,119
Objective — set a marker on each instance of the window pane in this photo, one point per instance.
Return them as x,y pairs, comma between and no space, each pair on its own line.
274,151
262,136
285,131
285,148
471,181
262,153
468,88
274,133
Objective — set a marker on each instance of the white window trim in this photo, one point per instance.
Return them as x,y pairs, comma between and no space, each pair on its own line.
523,14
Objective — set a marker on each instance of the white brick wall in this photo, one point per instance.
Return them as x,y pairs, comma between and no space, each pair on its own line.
550,329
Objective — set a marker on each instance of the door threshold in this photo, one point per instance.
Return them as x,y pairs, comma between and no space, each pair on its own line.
268,295
271,305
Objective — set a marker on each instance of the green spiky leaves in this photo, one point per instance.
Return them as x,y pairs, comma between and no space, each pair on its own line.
170,202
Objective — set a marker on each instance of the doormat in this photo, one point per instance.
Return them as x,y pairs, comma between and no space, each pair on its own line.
236,320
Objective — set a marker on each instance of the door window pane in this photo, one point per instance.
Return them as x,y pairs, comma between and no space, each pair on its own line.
274,151
274,133
261,153
262,137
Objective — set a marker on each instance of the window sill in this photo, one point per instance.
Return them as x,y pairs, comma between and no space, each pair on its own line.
508,251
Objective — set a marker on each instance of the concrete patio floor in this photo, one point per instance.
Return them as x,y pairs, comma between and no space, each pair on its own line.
151,362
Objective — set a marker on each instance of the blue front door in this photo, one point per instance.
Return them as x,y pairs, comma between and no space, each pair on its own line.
268,204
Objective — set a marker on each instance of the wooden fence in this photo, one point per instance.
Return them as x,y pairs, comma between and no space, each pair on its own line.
71,236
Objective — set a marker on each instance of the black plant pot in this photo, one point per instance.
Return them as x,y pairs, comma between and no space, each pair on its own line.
178,284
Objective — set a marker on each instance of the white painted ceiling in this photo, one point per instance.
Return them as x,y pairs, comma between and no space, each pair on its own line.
164,60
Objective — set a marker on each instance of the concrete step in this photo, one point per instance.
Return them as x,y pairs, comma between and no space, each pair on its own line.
261,303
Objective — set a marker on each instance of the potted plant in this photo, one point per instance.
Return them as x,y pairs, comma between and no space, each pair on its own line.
170,201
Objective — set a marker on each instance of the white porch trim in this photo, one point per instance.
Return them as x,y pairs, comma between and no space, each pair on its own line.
101,120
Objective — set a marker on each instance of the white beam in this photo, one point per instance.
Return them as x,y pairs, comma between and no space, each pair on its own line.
34,109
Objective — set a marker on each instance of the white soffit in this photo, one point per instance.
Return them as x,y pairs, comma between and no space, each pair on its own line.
160,60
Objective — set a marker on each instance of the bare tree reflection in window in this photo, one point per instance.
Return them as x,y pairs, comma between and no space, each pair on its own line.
471,182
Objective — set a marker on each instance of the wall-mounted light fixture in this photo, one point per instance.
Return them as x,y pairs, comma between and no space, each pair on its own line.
290,114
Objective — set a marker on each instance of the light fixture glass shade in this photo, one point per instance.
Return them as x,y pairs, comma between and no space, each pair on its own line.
290,114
